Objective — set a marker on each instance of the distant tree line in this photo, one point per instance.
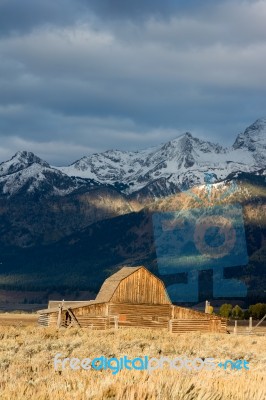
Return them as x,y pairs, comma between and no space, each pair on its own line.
256,311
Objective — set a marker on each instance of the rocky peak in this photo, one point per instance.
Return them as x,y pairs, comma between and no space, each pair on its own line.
252,137
20,161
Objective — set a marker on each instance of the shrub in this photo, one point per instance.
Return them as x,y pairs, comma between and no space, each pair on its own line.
258,310
226,310
237,312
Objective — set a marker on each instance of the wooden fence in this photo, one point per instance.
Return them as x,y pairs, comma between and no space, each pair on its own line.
247,328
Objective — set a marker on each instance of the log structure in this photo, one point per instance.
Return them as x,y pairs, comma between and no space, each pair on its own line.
132,297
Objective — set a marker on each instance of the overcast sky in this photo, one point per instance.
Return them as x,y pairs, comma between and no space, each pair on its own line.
82,76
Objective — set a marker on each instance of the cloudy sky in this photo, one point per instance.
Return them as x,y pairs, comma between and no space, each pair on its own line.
82,76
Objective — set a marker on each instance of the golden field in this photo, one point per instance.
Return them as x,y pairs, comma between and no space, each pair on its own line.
27,367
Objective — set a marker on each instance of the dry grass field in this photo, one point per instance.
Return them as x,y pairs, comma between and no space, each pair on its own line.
27,367
16,319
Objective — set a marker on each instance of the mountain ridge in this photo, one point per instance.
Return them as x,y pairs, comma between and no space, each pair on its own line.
190,156
174,166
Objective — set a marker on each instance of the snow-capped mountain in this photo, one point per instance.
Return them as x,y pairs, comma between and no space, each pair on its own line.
151,173
180,163
40,204
21,160
254,140
25,173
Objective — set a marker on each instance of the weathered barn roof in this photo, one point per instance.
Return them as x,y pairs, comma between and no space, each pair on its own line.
111,284
67,303
70,305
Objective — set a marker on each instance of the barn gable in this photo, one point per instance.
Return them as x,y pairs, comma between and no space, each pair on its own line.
133,285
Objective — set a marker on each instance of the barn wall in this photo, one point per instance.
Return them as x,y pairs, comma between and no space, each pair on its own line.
187,313
53,318
141,287
93,316
86,321
154,316
90,310
98,323
202,325
187,320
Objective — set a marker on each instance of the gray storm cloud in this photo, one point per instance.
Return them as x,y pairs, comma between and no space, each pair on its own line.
84,76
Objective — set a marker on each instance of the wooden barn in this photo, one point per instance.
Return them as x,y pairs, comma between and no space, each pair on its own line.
132,297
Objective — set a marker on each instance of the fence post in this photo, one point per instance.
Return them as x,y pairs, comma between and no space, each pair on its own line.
258,324
170,325
116,321
250,323
235,328
59,315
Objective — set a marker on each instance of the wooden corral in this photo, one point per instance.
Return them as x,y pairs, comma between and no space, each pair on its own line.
132,297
